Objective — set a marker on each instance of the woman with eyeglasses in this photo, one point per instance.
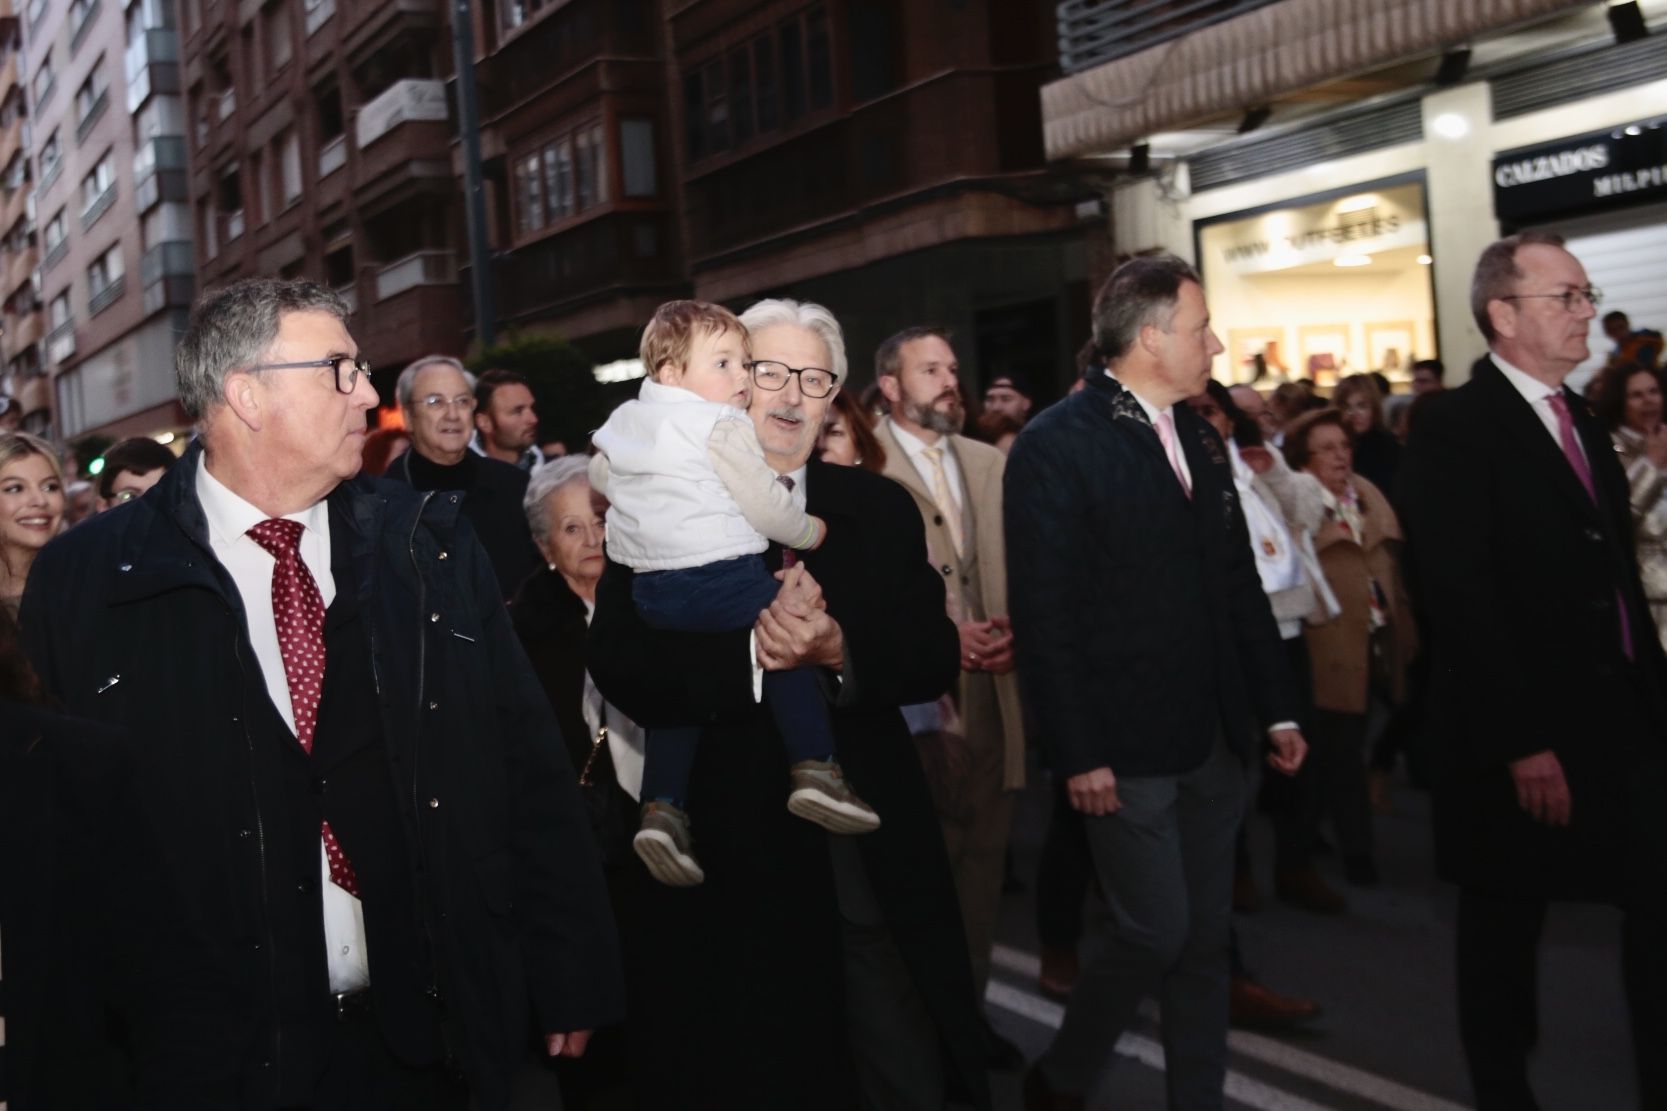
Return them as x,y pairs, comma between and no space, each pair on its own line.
31,509
1629,399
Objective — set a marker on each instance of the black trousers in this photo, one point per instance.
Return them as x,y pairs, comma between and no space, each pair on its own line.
363,1076
1498,954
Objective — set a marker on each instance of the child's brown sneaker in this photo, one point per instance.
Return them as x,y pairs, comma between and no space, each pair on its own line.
665,846
820,794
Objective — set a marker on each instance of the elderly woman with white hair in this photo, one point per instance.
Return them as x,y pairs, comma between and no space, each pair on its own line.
551,613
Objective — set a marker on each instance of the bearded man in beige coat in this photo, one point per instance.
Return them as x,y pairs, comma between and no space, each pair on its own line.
975,759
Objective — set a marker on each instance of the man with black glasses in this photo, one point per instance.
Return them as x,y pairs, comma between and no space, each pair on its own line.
438,398
365,792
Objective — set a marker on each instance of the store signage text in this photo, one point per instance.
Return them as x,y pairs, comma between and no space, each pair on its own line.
1581,173
1372,228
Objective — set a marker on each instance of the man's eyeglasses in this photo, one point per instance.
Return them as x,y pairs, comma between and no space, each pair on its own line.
1573,299
347,368
434,402
768,374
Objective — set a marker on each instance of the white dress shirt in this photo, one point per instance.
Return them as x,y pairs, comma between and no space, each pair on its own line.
915,448
1538,396
229,520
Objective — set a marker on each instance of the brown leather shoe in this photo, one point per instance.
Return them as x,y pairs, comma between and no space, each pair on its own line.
1254,1005
1305,889
1059,973
1041,1096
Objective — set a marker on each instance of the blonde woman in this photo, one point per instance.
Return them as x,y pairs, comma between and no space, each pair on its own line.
31,508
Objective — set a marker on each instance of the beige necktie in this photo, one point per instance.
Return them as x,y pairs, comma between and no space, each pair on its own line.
940,494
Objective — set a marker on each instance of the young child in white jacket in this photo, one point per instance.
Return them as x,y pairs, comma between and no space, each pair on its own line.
693,505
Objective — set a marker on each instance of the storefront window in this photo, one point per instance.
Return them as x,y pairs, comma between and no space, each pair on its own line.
1322,289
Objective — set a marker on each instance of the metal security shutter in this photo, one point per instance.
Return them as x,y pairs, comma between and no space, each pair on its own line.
1601,69
1625,255
1342,135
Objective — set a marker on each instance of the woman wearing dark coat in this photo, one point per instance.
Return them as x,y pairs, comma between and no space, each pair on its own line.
551,613
1377,454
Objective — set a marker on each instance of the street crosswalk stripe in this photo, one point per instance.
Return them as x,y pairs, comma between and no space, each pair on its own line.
1333,1074
1241,1088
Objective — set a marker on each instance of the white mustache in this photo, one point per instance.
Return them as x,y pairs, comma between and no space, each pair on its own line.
788,412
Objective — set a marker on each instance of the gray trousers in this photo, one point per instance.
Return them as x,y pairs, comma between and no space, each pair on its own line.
1165,864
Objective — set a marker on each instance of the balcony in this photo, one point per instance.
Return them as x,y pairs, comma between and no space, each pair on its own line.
405,101
421,268
8,74
46,93
167,273
60,343
49,173
54,255
159,172
332,156
107,296
90,215
20,267
227,104
318,13
585,262
85,127
79,34
23,330
422,319
349,294
152,65
234,226
13,208
13,139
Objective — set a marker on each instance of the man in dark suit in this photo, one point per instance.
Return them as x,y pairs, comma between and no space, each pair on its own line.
366,791
807,968
1547,680
1146,646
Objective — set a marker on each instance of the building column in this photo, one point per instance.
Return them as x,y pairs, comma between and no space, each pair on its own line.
1459,161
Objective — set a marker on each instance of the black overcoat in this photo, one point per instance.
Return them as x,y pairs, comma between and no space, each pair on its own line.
1517,575
736,985
129,619
1140,626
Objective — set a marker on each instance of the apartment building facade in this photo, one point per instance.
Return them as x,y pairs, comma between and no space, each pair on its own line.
23,380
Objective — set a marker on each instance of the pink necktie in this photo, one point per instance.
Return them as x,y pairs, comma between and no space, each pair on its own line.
298,611
1166,433
1583,471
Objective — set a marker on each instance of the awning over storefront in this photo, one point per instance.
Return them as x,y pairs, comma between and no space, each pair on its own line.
1255,58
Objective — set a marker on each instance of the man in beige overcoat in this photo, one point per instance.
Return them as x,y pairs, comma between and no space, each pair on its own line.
976,760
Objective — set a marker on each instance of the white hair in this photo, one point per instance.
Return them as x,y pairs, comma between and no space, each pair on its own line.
546,479
408,376
805,314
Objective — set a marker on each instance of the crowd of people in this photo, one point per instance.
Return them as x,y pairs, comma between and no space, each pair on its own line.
348,769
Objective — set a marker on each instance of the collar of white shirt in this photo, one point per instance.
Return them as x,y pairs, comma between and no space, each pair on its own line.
230,517
1152,411
911,444
1531,388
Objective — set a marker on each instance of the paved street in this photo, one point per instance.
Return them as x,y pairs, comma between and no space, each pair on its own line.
1388,1037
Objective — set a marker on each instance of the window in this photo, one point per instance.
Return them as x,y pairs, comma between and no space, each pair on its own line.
515,14
60,310
636,156
51,154
94,185
529,195
79,12
91,92
57,229
280,42
44,79
759,87
590,172
327,101
104,273
563,178
289,167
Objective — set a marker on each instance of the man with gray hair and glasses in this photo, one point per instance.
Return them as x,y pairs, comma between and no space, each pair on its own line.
437,396
1151,660
366,793
1548,685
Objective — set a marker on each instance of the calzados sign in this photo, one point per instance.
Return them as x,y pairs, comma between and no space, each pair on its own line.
1581,173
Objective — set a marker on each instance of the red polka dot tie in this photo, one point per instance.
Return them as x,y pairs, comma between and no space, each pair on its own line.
298,612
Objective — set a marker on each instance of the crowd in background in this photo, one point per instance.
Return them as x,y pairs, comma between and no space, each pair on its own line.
918,552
